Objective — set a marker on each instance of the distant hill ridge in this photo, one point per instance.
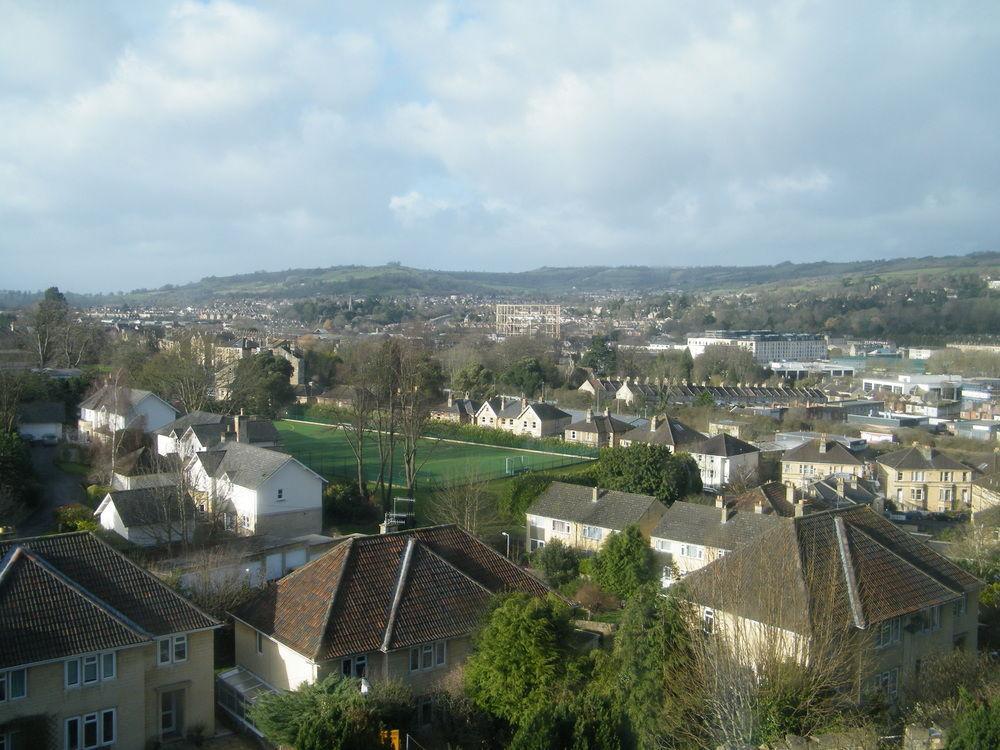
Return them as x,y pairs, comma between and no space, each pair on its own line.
396,280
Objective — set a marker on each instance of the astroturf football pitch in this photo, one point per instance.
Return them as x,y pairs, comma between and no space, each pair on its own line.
325,449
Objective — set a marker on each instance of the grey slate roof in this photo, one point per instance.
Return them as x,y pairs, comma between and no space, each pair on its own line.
109,397
150,506
39,412
246,465
694,523
914,458
809,452
725,445
671,432
602,424
69,594
190,419
547,411
573,502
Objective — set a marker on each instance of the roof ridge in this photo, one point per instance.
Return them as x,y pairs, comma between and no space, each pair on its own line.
397,597
847,564
85,594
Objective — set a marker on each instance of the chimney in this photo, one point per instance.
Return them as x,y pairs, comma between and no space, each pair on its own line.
590,414
840,486
758,507
450,400
927,452
822,443
593,498
720,501
800,510
524,401
607,411
790,494
652,424
241,428
723,513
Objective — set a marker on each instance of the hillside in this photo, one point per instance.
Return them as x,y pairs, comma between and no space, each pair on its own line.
546,282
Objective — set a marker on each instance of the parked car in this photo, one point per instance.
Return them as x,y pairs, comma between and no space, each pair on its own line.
50,439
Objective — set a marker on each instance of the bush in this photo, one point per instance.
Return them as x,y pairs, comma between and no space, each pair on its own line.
977,724
75,517
596,599
96,494
559,563
342,503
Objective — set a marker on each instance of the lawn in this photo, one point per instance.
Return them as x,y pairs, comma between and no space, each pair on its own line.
326,451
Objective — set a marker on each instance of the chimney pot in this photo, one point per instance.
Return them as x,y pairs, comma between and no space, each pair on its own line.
595,495
790,493
723,513
590,414
759,507
720,501
800,510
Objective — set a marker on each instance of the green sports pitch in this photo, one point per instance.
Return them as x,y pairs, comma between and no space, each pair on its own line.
325,450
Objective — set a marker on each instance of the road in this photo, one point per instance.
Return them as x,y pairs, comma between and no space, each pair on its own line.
58,488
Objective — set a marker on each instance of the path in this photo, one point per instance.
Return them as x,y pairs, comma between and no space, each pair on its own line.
58,488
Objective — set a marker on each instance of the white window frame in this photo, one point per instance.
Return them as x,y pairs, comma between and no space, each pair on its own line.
594,533
80,663
888,633
560,527
81,721
349,665
171,642
281,494
708,621
436,653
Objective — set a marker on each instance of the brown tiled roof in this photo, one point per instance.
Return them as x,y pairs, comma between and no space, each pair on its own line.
71,593
385,592
851,564
772,495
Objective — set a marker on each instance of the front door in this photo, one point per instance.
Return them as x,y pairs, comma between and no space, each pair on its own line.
172,714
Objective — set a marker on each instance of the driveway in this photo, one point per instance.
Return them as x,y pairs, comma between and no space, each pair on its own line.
58,488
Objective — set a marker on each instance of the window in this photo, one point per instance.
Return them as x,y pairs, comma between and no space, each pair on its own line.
917,476
945,476
13,684
888,633
661,545
354,666
960,606
932,619
888,682
899,476
561,527
428,656
89,669
592,532
171,650
916,493
281,494
692,550
98,729
708,621
260,642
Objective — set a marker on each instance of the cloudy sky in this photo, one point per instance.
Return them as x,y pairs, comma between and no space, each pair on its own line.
150,142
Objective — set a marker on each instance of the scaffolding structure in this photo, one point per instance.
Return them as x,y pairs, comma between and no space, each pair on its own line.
529,320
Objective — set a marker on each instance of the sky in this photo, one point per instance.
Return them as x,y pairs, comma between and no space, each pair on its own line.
145,143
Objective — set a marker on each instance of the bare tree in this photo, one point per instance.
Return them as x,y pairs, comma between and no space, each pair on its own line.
359,420
467,503
419,380
11,387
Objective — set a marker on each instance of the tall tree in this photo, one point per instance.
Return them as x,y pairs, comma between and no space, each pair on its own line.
262,385
624,563
47,321
648,469
600,356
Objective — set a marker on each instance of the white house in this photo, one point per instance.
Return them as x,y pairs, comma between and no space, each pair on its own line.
257,491
168,436
148,517
541,420
40,418
723,458
111,409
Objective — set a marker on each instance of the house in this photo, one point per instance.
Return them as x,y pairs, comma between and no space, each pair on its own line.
38,419
150,516
541,420
340,396
112,409
500,412
399,606
723,458
239,429
664,431
847,578
462,410
97,652
690,535
256,490
585,517
924,478
734,427
601,431
815,459
603,389
168,436
143,468
635,391
985,493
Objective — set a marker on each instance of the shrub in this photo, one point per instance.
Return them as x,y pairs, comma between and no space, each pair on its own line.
559,563
624,563
596,599
977,724
342,503
75,517
519,493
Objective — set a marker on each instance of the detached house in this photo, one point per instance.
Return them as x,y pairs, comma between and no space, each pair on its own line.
462,410
541,420
840,579
723,458
584,517
168,436
598,431
922,478
149,516
816,459
95,651
400,606
257,491
665,431
112,409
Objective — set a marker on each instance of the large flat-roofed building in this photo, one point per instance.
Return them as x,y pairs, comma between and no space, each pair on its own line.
940,386
766,346
529,320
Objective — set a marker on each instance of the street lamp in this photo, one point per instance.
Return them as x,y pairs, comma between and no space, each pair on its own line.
508,542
